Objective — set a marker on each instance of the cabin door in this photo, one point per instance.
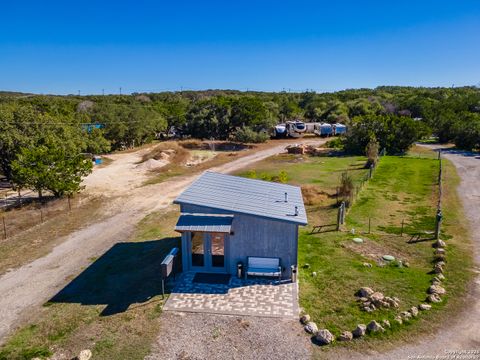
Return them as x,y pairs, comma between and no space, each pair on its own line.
207,252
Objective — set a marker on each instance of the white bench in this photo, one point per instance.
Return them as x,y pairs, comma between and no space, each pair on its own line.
263,266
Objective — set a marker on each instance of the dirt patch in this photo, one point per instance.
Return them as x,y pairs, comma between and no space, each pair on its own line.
214,145
372,250
312,195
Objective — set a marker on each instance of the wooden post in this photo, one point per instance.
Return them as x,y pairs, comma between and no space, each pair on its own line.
403,222
4,228
438,224
369,224
370,172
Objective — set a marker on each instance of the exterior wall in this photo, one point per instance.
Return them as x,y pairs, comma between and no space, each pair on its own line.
254,236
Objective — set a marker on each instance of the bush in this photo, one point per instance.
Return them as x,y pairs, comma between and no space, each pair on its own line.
247,135
337,143
372,152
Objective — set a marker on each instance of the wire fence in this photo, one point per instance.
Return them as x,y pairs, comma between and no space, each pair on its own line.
25,214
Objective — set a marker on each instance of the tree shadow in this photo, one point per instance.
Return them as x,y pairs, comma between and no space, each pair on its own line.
127,273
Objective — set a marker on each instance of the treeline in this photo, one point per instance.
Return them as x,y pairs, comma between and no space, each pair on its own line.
73,125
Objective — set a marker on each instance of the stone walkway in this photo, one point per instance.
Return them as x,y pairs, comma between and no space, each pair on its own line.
255,297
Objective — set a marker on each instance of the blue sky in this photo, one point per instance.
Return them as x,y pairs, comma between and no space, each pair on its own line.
64,46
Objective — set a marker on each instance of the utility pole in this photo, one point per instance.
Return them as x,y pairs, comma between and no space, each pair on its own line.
120,90
103,92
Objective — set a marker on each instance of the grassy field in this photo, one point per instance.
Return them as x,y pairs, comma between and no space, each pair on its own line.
112,307
403,188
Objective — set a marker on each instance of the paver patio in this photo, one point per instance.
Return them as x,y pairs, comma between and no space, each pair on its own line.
255,297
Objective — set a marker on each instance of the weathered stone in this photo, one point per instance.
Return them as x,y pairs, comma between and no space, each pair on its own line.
84,355
306,266
424,307
363,299
436,289
441,277
434,298
364,292
314,274
305,319
324,337
398,320
440,251
439,258
310,327
406,315
414,311
374,326
367,265
440,263
386,323
359,330
376,297
439,244
345,336
406,264
438,269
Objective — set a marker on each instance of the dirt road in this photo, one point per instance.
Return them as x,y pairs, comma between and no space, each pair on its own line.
24,289
462,332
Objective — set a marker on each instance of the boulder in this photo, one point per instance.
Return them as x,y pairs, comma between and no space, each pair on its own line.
84,355
440,251
440,263
436,289
362,299
364,292
359,330
440,277
439,244
439,258
367,264
392,302
376,297
310,327
414,311
424,307
324,337
386,323
406,264
314,274
345,336
305,319
438,269
374,327
434,298
406,315
398,320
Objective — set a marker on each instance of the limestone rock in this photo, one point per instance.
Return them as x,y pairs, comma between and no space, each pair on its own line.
324,337
314,274
84,355
310,327
414,311
406,315
345,336
304,319
438,269
374,327
386,323
364,292
359,330
398,320
440,251
376,297
440,277
434,298
436,289
439,244
367,264
424,307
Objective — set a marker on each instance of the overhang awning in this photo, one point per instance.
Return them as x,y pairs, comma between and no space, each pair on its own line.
216,223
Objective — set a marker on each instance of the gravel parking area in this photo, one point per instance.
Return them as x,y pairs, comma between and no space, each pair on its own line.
195,336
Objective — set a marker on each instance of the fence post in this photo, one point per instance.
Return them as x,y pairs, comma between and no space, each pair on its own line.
403,222
370,172
369,224
438,223
4,228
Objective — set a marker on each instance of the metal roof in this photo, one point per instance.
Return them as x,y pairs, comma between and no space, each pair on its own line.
204,223
247,196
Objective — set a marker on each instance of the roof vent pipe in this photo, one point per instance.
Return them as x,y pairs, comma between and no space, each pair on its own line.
286,197
296,210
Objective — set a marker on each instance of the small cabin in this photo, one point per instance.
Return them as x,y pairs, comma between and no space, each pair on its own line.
225,219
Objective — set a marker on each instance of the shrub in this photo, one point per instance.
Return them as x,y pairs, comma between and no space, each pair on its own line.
247,135
372,151
345,190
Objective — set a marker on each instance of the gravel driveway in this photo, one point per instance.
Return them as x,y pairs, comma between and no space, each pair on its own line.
205,336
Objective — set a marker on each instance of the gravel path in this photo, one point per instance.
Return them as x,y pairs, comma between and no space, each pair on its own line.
462,332
205,336
25,288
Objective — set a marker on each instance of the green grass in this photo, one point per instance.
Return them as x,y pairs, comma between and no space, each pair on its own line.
403,188
125,280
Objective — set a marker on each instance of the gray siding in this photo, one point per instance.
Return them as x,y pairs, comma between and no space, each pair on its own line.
255,236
